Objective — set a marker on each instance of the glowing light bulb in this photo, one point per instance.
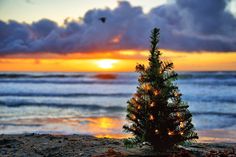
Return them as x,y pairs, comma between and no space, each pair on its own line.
146,86
136,98
178,114
181,124
181,133
152,104
151,117
134,128
139,107
177,94
133,117
155,92
170,133
156,131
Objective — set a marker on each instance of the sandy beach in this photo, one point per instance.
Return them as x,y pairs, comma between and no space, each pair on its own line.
81,145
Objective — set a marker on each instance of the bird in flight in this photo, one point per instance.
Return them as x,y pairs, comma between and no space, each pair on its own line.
103,19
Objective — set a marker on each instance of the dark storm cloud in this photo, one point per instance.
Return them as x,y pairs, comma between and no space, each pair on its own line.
192,25
186,25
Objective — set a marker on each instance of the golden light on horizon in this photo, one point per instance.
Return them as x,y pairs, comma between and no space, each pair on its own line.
106,63
118,61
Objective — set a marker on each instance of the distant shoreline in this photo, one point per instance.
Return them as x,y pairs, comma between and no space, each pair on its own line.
110,72
82,145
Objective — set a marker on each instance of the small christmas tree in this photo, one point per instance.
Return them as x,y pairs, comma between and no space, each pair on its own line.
156,113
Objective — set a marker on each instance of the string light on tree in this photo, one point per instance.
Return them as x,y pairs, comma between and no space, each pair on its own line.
133,128
152,104
170,133
176,94
151,117
139,107
133,117
156,131
155,92
178,114
146,86
136,98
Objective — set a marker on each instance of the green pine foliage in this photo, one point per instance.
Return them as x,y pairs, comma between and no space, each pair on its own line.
156,113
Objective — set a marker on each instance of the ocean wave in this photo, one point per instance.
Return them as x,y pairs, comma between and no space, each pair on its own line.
209,82
24,125
38,75
200,78
67,95
207,75
210,99
118,82
95,107
67,81
111,76
92,107
232,115
102,76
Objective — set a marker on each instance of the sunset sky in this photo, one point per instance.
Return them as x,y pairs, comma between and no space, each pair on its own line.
47,35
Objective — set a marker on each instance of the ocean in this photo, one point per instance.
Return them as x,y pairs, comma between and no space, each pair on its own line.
95,103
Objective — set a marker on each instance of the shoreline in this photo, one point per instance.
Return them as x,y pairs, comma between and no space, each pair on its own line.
84,145
205,136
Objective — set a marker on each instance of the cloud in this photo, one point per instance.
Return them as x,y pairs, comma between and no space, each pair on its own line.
29,1
186,25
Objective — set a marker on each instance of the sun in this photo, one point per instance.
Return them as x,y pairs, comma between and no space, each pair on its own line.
106,63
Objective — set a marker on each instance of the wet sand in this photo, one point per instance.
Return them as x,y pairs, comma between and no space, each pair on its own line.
81,145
